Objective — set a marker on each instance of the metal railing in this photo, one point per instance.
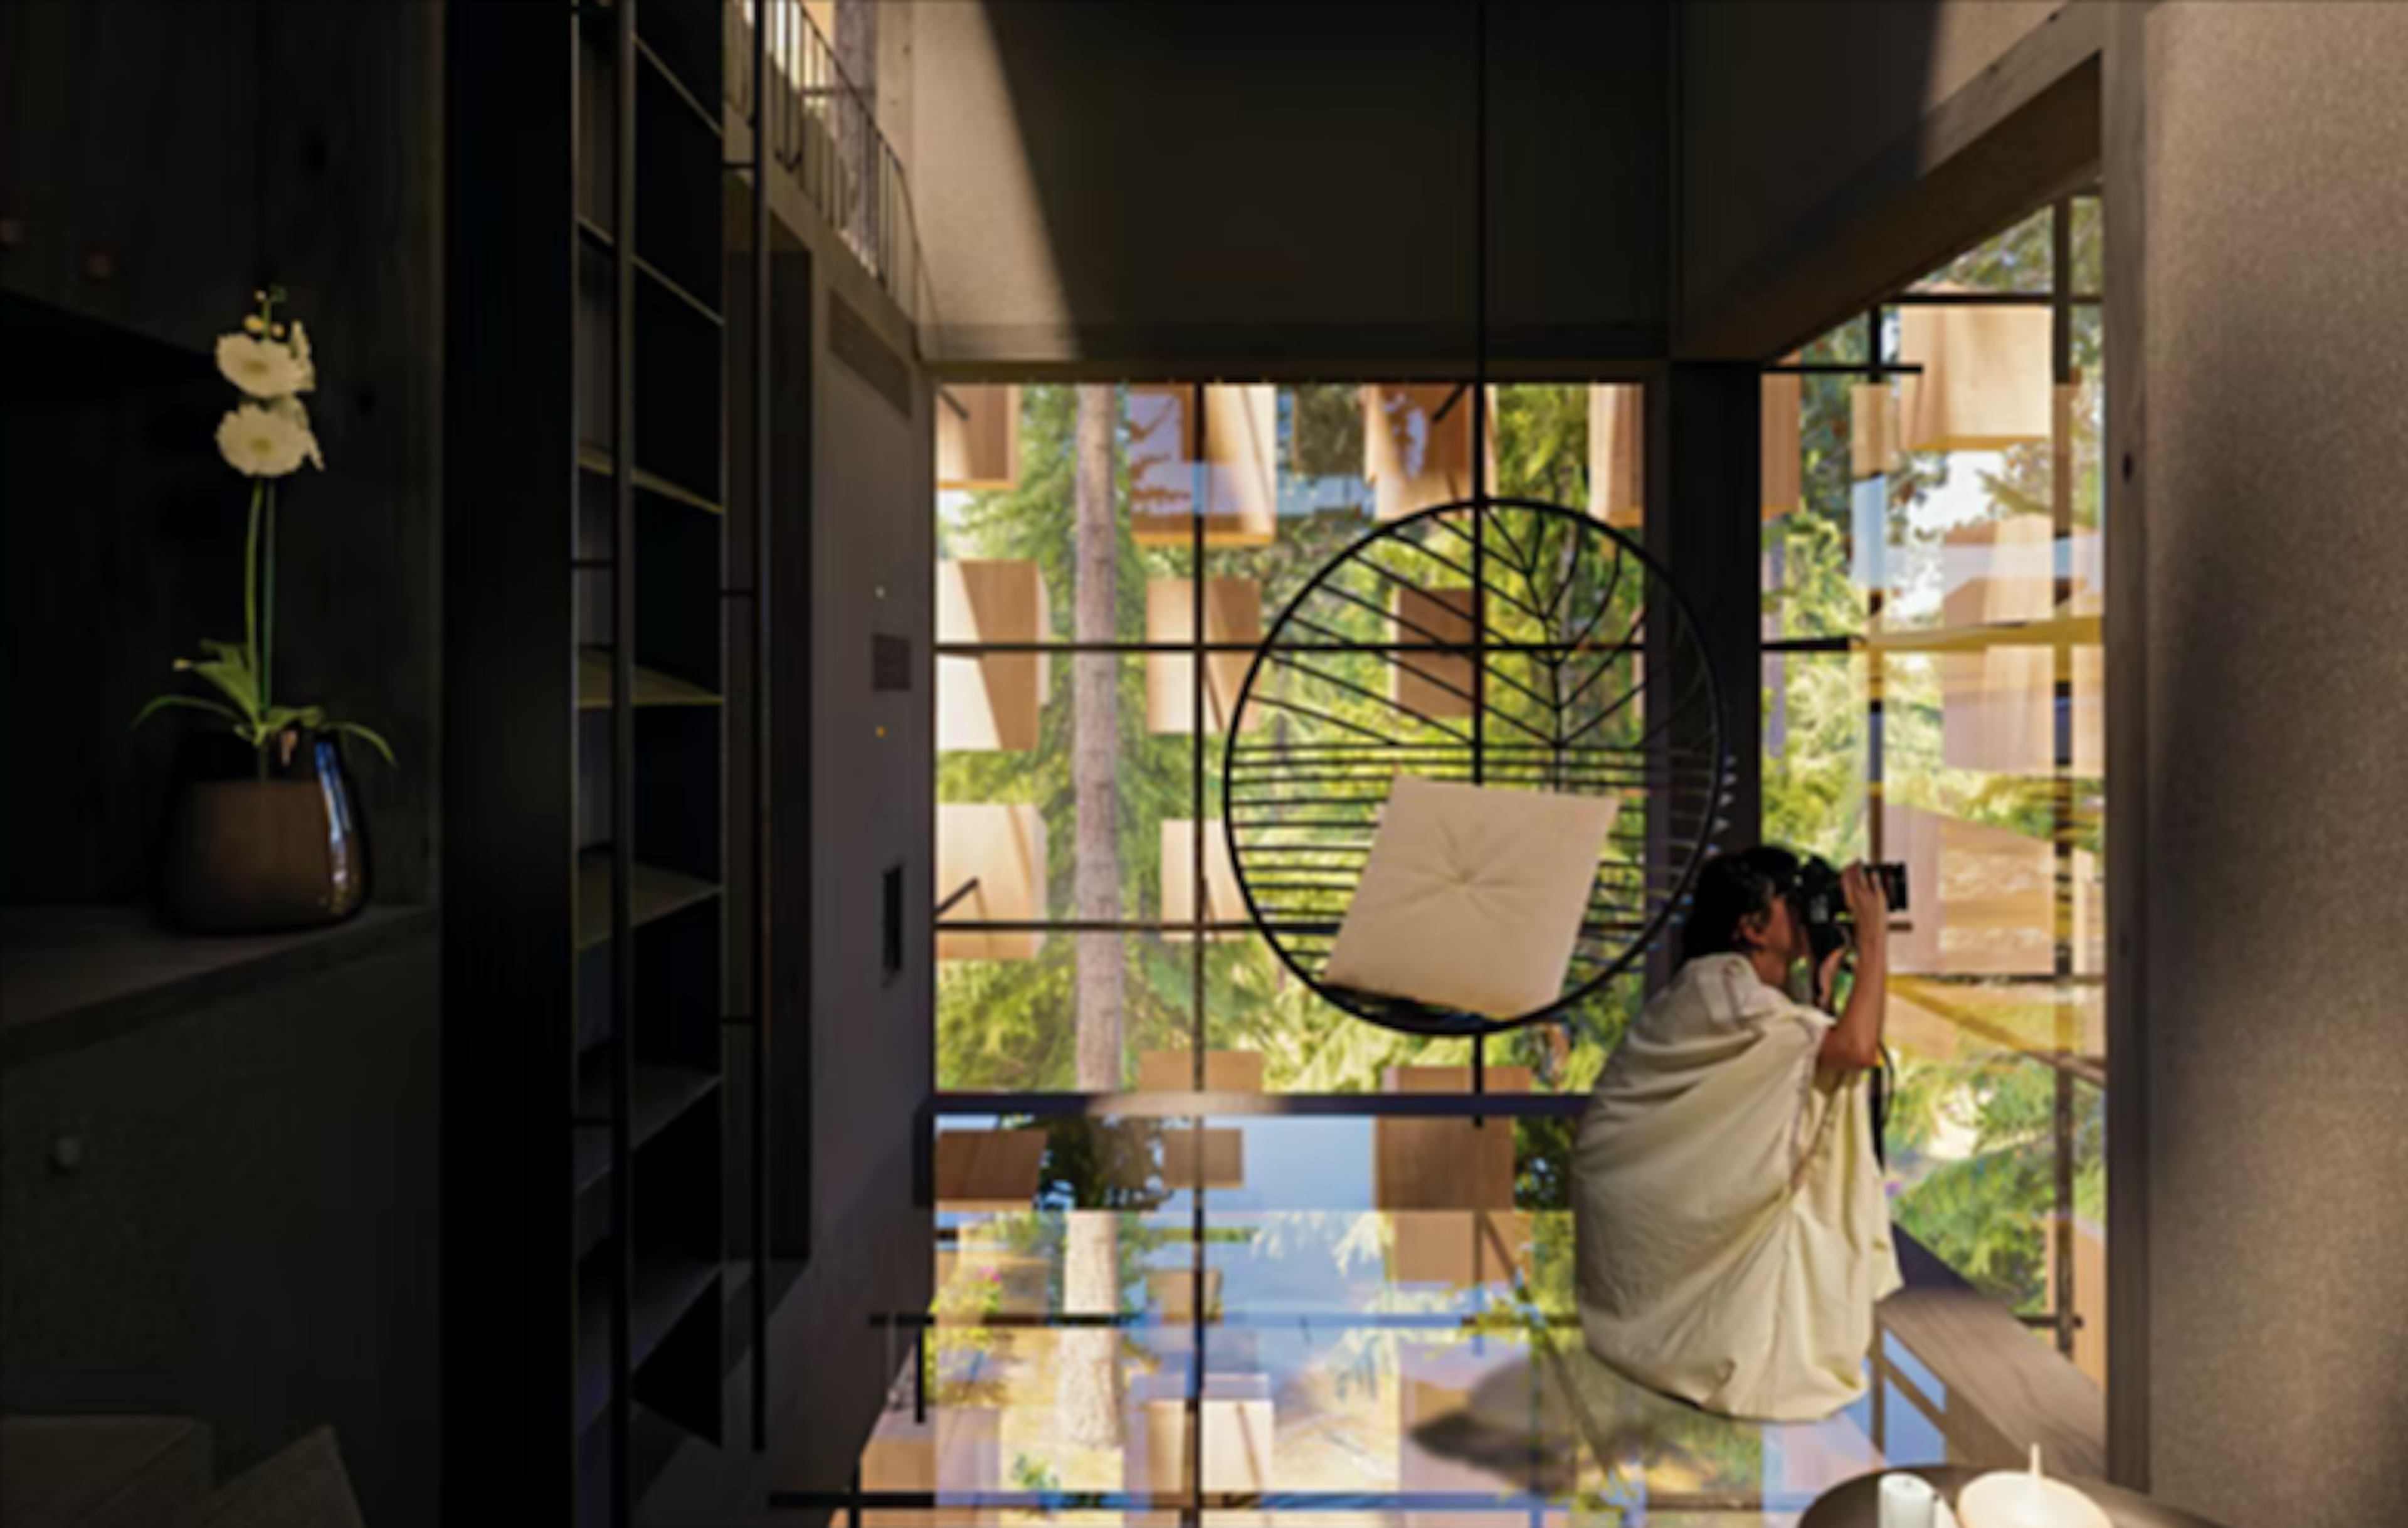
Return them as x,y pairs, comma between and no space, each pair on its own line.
823,129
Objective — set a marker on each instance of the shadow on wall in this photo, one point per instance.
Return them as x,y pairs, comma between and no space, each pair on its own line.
1237,179
1812,137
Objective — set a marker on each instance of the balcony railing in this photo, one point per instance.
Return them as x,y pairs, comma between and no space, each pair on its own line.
823,130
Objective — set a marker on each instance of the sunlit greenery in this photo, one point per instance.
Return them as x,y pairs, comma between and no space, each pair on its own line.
1978,1135
1011,1025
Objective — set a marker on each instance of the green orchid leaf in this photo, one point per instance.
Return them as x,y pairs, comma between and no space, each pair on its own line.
235,681
190,702
368,736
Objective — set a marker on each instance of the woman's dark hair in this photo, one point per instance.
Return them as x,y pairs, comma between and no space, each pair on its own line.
1732,887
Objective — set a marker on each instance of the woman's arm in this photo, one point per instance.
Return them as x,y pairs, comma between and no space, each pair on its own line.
1854,1044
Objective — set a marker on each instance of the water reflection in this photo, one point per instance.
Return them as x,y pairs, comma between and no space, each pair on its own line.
1304,1319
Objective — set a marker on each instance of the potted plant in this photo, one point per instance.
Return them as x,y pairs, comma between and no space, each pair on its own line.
265,834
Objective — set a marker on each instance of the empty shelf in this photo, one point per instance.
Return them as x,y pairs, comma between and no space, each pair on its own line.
594,686
661,1095
656,893
666,1290
598,460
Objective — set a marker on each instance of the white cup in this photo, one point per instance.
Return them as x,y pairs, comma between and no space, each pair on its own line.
1907,1501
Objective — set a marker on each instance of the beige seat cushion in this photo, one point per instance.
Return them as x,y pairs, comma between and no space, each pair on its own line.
1473,896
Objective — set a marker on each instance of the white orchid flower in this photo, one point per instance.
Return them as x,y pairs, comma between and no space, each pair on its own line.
261,367
299,346
296,413
264,442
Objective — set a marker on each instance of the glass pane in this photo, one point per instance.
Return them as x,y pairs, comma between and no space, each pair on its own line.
1975,453
2018,260
1817,727
1847,344
1819,477
2089,245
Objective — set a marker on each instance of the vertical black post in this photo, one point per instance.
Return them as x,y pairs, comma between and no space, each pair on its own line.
762,757
2061,826
1876,668
1202,500
1479,485
622,771
509,1428
1202,496
1705,467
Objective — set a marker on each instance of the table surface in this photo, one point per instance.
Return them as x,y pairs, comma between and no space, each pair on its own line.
1857,1504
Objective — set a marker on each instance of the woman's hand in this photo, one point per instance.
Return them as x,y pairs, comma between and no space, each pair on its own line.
1868,902
1854,1044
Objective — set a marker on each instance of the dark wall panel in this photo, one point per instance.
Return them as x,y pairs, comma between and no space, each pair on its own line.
146,196
249,1234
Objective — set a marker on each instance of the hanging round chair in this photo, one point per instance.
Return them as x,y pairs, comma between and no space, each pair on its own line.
1499,642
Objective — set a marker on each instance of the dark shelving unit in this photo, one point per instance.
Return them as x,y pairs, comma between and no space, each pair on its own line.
587,749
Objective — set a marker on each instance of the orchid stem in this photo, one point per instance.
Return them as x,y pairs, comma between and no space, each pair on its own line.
251,605
268,611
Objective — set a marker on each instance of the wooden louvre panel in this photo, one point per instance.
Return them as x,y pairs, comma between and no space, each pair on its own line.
1443,1163
1784,442
988,1170
994,701
1998,702
1172,1294
1984,899
1223,902
1213,1158
1225,1071
1436,685
1988,378
947,1450
1233,612
1237,450
1235,1429
978,436
1617,457
1002,847
1417,445
1875,433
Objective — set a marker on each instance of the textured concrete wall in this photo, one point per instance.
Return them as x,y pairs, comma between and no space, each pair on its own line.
2274,174
1188,181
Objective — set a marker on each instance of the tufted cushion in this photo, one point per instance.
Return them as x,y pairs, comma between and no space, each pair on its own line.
1472,898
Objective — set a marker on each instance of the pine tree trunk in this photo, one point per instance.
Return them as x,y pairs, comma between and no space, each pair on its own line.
1095,755
1087,1371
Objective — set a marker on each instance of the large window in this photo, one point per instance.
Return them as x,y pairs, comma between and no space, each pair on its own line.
1110,557
1934,595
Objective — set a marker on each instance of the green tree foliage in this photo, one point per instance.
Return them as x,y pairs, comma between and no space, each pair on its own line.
1010,1025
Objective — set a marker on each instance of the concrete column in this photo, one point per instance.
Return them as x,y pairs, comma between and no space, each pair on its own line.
2259,688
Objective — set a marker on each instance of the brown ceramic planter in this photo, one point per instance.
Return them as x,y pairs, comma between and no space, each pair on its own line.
252,854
